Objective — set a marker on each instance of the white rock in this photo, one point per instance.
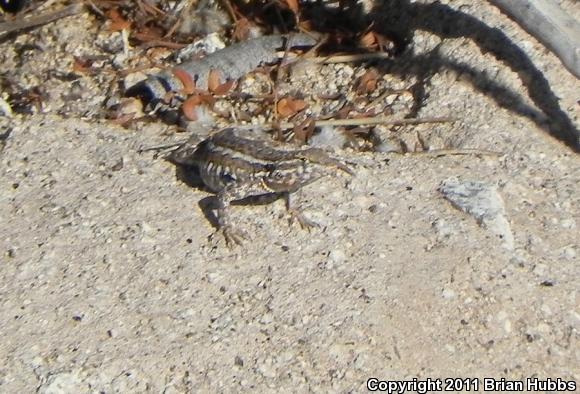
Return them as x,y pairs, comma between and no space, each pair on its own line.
569,252
483,202
337,256
66,382
568,223
448,294
328,136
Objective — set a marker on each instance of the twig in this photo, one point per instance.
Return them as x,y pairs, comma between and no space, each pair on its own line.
9,27
230,9
179,19
382,120
161,43
350,58
124,73
149,8
277,79
95,8
454,152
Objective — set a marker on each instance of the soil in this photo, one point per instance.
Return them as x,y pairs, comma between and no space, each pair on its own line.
111,280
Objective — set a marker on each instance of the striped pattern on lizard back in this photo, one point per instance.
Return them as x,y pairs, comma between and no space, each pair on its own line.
228,157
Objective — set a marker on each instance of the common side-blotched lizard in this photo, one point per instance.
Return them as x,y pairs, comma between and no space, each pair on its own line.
237,164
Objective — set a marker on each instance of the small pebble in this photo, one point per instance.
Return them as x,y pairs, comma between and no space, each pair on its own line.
336,256
448,294
568,224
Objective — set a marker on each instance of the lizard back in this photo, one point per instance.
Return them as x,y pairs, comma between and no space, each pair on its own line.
228,157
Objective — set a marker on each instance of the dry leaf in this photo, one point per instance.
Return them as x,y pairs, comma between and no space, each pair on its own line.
368,40
304,131
372,40
384,43
293,5
344,112
207,99
224,88
118,22
298,105
307,25
242,29
283,108
81,66
367,83
186,80
148,34
213,80
189,106
288,106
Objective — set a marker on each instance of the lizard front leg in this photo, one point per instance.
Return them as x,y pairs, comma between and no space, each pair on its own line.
232,192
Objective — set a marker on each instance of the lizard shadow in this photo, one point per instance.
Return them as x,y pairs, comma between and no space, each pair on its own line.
208,205
399,19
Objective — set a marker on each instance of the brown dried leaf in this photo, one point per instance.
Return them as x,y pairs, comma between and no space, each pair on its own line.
213,80
304,131
384,43
283,108
189,106
368,40
371,40
207,99
148,34
81,66
288,106
306,25
344,112
186,80
367,83
224,88
293,5
242,29
298,105
118,22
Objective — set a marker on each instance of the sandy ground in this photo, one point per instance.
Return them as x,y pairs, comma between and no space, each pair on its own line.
109,281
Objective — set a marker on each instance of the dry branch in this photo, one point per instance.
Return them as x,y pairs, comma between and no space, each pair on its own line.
379,120
547,22
25,23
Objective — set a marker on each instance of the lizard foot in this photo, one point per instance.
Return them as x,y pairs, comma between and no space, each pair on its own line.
232,236
304,222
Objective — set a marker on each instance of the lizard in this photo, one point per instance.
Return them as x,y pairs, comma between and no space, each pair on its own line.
235,165
230,63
